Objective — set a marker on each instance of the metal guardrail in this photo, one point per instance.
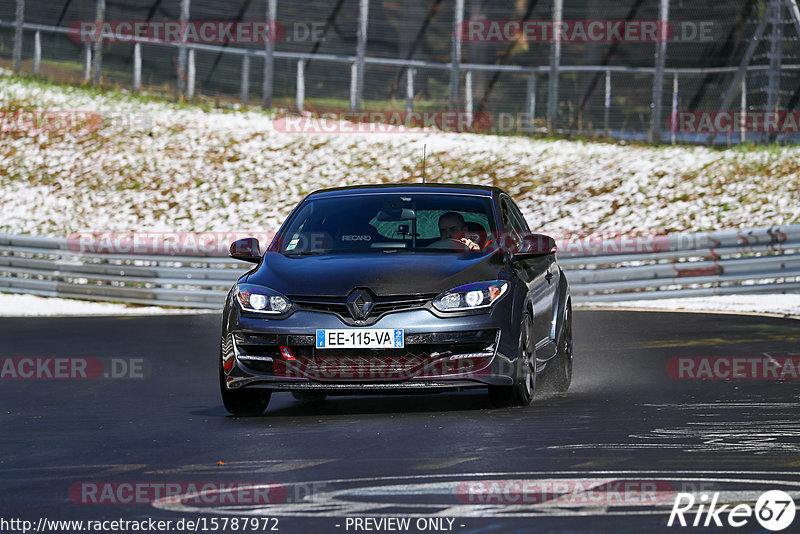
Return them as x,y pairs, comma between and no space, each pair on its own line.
47,267
758,260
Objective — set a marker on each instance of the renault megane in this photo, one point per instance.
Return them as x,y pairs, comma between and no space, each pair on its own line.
397,288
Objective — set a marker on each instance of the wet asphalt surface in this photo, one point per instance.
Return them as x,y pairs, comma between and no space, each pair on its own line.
449,462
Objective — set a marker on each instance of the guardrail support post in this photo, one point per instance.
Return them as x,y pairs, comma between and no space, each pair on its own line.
301,84
269,54
658,76
137,67
455,55
555,61
37,53
18,26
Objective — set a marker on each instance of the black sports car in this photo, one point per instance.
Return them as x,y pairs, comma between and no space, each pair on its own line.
397,288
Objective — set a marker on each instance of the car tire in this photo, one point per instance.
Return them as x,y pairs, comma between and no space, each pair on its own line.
558,373
521,393
308,396
242,403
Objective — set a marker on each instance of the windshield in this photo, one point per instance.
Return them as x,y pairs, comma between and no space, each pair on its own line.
389,222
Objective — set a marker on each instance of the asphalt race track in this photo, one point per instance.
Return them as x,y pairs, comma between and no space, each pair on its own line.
624,424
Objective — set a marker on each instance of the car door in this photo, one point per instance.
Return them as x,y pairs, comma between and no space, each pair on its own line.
540,274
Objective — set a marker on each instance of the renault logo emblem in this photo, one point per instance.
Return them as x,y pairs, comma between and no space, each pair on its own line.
360,304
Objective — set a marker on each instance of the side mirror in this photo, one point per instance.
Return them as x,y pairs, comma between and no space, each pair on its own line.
246,249
533,245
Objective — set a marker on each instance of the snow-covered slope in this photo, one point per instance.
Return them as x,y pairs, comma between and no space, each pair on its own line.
159,166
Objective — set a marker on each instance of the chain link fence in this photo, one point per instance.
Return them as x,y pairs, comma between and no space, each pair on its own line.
712,72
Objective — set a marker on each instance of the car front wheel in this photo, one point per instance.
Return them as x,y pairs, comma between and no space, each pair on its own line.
521,393
242,403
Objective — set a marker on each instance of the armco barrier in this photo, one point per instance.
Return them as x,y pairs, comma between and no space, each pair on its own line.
757,260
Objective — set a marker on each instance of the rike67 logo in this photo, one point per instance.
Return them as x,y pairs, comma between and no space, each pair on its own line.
774,511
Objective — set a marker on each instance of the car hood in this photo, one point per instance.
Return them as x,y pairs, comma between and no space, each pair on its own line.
385,274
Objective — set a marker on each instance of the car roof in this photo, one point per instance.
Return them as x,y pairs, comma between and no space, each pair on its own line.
476,190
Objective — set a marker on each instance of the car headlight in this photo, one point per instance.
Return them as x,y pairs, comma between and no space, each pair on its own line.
471,296
261,299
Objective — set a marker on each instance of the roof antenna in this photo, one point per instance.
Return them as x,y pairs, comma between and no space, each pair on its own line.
423,162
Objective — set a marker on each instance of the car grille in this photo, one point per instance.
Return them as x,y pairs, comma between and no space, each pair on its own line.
383,305
426,355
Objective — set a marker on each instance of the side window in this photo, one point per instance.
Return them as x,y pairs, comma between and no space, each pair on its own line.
512,218
504,213
520,221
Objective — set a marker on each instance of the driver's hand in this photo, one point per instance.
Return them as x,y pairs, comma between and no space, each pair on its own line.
470,244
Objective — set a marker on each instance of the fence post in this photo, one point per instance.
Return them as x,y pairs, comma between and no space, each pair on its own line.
455,55
245,80
37,53
468,98
743,112
87,62
18,27
269,54
775,56
137,67
191,76
658,76
361,52
673,120
183,51
301,83
353,84
97,59
555,60
530,97
410,89
607,104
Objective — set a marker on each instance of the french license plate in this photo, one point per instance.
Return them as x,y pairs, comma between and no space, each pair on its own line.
378,338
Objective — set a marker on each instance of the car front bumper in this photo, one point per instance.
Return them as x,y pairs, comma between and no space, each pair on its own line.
440,353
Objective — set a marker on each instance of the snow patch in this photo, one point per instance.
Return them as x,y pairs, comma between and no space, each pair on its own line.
781,304
13,305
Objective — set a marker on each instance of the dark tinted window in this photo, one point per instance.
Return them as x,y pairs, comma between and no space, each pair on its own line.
422,222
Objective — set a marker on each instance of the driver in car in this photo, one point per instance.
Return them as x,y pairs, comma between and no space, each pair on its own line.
453,226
